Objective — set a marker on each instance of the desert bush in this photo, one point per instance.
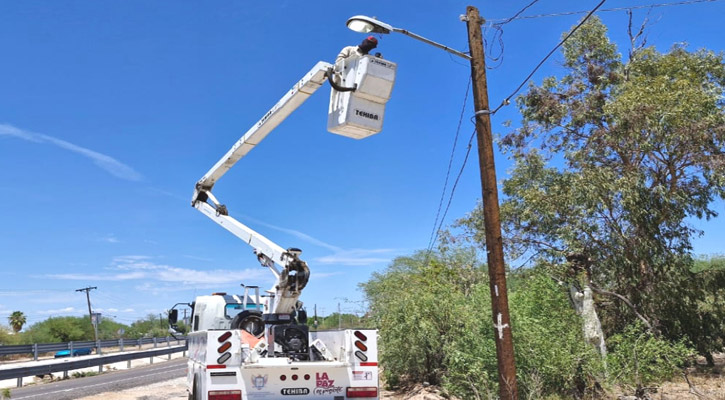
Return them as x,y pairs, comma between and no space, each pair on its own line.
636,357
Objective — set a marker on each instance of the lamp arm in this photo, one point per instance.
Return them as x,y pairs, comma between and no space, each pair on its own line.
430,42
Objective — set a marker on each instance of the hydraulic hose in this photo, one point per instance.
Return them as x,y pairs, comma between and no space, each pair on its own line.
337,87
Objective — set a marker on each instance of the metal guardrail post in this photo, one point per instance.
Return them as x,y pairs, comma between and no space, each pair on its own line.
120,344
99,349
35,351
70,347
156,344
168,344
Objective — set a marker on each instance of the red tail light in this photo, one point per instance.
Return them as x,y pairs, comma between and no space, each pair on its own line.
225,395
224,336
224,347
360,345
358,392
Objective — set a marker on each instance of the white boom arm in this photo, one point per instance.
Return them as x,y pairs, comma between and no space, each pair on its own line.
295,273
357,105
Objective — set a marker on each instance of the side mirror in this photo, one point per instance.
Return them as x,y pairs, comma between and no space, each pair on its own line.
173,316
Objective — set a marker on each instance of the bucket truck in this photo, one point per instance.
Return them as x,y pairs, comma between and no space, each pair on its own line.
258,346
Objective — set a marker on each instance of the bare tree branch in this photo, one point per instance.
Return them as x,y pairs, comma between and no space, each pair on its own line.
627,302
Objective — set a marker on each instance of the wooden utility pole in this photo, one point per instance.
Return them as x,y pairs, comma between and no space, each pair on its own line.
491,216
90,313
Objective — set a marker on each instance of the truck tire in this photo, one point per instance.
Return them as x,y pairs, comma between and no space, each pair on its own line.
195,394
250,321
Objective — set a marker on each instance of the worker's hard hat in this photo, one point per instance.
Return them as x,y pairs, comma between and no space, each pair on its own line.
368,44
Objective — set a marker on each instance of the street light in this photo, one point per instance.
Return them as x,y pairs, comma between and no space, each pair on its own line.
491,213
365,24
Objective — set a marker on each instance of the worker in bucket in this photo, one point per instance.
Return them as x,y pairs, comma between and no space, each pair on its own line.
364,48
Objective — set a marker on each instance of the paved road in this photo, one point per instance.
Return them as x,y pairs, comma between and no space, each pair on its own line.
108,382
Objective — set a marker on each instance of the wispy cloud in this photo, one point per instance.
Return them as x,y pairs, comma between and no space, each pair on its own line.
108,163
300,235
339,256
135,267
115,310
66,310
98,277
109,239
197,258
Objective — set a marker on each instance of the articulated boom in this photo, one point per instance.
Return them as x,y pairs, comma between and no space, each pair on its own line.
361,87
293,276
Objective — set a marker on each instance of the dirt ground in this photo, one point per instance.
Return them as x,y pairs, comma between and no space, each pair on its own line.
708,383
168,390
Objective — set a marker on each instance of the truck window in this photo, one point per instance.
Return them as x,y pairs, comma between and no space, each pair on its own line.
231,310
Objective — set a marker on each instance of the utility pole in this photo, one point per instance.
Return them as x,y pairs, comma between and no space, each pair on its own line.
491,216
90,313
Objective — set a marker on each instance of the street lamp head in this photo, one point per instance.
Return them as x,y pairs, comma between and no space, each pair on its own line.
363,24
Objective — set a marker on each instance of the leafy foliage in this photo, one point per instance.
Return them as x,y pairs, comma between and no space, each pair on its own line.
338,321
151,326
17,319
65,329
434,315
59,329
638,358
611,161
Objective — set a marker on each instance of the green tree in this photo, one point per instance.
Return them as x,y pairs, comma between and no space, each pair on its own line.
151,326
108,329
59,329
611,160
17,319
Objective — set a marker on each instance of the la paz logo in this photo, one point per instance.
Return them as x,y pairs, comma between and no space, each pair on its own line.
259,381
323,380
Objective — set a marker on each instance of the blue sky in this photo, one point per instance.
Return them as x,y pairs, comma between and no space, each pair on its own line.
111,111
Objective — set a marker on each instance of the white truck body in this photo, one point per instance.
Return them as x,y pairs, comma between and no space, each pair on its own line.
226,364
259,347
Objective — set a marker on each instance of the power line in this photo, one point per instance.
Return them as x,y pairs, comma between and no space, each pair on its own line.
507,100
498,37
455,183
564,13
450,197
506,21
450,164
437,226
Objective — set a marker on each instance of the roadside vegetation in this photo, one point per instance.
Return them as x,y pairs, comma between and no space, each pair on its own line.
66,329
613,160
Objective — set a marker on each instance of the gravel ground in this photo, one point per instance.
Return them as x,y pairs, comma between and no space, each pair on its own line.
174,389
710,385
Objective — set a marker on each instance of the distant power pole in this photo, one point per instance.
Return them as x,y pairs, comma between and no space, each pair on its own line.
90,313
491,215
